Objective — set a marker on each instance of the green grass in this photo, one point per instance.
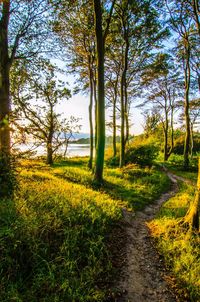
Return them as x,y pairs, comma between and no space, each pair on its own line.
134,185
53,233
175,164
179,247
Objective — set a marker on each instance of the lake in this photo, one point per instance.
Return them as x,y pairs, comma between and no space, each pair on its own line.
72,150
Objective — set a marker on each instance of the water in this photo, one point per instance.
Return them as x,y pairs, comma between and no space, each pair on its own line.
78,150
72,150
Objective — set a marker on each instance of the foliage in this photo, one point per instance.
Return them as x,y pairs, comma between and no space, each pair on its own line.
141,154
175,164
179,144
179,247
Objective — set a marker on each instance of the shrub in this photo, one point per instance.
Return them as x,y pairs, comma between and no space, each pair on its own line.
142,155
179,145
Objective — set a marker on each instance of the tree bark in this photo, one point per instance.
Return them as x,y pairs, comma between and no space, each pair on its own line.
124,101
187,117
95,109
122,138
114,127
126,110
5,167
50,136
49,153
90,118
98,176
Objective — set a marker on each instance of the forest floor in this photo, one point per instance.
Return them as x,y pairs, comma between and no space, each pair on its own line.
142,274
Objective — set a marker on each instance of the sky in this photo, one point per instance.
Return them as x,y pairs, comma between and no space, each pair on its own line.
77,106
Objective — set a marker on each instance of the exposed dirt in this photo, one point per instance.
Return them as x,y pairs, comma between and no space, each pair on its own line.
142,274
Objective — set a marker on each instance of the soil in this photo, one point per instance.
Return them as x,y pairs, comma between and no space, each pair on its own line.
142,275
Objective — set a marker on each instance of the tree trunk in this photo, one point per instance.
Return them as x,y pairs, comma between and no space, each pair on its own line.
187,117
124,99
126,111
114,127
195,7
49,153
50,137
5,165
192,140
95,109
90,120
114,116
165,144
122,138
101,93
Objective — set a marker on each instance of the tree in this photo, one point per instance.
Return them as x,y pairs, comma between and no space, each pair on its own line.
152,120
100,35
161,80
78,27
182,24
139,32
36,97
23,30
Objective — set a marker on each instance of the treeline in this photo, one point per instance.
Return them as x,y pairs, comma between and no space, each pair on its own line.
122,53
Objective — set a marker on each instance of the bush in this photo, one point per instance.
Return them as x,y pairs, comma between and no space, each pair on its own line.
179,145
142,155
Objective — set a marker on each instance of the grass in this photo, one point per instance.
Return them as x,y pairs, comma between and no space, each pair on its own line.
175,164
179,247
53,232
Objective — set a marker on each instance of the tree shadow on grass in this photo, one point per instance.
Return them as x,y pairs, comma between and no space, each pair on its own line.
136,200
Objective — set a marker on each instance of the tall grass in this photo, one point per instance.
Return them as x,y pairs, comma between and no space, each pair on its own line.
179,247
53,231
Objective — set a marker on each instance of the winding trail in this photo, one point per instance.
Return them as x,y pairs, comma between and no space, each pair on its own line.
143,276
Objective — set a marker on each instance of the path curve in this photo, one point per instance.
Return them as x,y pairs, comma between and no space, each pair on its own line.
143,276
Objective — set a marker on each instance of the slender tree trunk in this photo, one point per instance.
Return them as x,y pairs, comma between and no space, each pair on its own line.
126,111
90,119
95,109
192,140
166,129
50,137
187,117
101,93
114,127
165,144
195,6
5,165
172,130
122,139
124,99
114,117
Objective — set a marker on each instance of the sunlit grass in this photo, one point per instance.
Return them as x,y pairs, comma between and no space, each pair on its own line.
53,233
134,185
179,247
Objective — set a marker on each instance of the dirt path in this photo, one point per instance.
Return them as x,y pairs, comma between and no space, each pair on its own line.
143,276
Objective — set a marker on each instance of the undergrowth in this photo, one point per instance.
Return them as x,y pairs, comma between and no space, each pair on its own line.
179,247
